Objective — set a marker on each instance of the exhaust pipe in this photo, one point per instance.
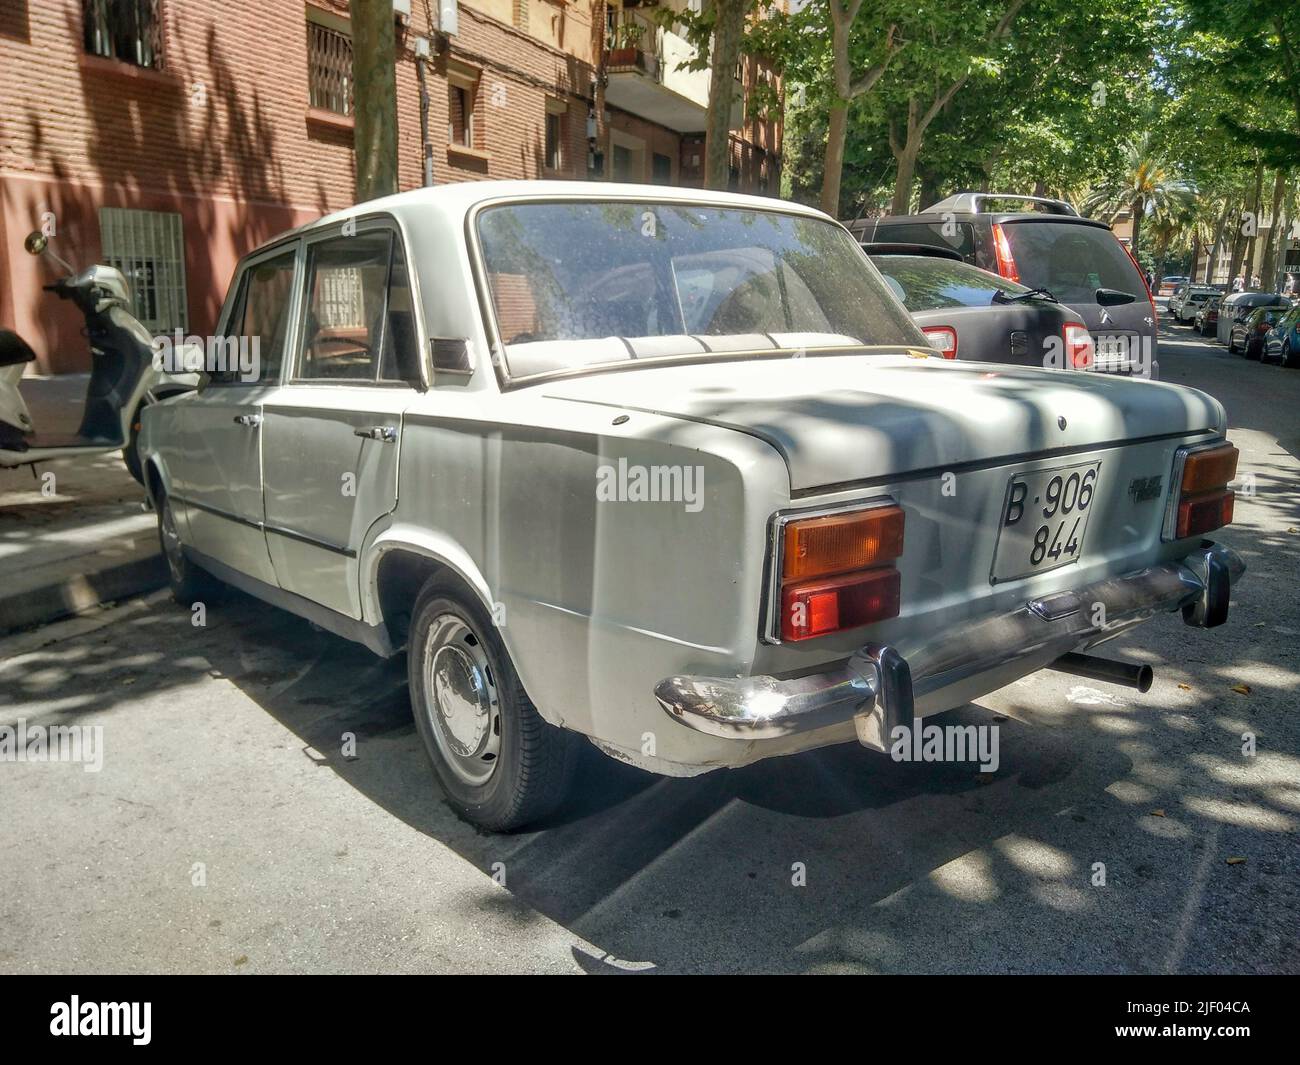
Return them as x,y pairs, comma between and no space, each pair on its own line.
1126,673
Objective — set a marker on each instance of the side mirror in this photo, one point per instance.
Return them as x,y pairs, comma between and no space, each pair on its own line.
36,242
1113,297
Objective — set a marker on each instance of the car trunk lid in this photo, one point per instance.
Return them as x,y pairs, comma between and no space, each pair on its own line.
844,419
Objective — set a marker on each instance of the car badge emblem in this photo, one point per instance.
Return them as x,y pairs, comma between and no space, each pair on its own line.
1105,317
1141,489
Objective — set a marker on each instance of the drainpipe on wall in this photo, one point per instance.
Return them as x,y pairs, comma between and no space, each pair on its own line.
426,147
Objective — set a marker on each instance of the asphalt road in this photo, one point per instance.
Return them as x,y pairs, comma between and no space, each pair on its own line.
228,831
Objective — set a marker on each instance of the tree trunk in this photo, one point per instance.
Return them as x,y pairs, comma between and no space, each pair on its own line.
1216,249
903,178
1243,241
1268,272
374,74
1138,208
727,33
836,133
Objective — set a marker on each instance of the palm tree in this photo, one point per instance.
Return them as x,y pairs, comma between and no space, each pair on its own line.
1147,185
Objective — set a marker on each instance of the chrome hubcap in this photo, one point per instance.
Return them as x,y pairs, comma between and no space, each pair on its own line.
461,699
171,541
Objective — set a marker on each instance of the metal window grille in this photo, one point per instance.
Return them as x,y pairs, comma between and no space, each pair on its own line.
149,248
340,297
130,30
329,69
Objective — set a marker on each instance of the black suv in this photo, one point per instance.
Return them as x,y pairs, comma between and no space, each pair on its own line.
1047,246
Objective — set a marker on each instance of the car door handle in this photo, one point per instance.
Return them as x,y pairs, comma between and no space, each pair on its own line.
253,420
385,434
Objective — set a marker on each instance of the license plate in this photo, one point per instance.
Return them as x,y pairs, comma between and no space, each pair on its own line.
1044,520
1113,354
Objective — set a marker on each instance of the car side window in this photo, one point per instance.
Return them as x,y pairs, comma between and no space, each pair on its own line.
252,348
359,322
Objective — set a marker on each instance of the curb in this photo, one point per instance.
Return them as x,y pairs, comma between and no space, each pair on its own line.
81,592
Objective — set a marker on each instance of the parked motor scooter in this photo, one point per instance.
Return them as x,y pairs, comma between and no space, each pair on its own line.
123,378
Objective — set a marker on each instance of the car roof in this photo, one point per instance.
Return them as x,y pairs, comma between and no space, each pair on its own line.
996,216
459,198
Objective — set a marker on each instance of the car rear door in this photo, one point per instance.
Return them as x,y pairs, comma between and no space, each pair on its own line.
331,433
1074,257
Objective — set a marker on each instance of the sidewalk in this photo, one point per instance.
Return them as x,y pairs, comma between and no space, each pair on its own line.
85,543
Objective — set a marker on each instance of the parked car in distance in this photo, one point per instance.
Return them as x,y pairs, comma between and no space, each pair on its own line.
671,471
1169,285
1248,334
1188,299
1236,307
969,313
1044,243
1282,342
1207,316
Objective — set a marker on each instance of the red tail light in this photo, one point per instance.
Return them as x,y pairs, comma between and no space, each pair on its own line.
1205,502
837,571
942,337
1002,252
1079,348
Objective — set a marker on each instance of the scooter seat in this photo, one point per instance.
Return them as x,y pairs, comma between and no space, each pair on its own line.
14,349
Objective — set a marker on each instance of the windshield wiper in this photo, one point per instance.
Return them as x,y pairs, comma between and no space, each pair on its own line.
1033,294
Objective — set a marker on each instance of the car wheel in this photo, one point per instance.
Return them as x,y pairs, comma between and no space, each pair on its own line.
1232,347
500,765
1251,351
189,583
131,449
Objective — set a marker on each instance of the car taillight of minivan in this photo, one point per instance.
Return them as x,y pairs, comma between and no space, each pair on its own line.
1079,348
943,338
1002,252
837,571
1204,501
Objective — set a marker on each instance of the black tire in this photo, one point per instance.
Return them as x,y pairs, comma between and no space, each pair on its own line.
485,726
1232,347
189,583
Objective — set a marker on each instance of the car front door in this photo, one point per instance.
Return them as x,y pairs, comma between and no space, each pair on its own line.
331,432
217,469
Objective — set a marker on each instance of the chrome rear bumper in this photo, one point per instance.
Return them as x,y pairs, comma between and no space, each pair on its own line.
877,686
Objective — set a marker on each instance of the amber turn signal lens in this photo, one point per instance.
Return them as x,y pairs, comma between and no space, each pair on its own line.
840,543
1203,513
1204,471
815,608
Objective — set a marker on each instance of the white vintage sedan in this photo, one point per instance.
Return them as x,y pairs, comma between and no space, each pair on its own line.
670,470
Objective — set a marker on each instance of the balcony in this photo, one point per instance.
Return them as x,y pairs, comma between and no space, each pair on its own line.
643,62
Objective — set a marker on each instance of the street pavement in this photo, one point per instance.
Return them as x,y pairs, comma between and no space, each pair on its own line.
231,830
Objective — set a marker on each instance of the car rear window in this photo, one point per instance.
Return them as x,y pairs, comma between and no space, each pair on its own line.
927,284
957,236
1071,261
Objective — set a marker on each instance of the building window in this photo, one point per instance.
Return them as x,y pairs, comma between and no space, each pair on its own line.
556,110
661,169
461,91
129,30
329,68
149,248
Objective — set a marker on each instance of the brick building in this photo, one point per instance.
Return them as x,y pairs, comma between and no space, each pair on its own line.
168,137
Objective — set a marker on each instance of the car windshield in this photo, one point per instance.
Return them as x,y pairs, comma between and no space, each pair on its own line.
925,283
1071,260
582,284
